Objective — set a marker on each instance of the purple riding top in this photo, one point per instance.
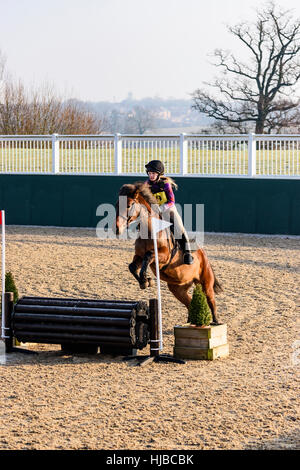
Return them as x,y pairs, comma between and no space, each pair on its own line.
163,192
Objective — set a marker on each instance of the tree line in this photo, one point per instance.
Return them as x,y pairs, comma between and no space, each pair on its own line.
42,110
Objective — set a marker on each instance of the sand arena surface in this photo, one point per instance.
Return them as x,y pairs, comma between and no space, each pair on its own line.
246,401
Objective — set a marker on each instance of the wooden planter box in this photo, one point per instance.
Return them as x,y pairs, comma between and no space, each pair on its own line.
209,342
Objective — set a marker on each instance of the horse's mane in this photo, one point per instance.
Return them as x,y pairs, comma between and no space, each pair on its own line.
129,190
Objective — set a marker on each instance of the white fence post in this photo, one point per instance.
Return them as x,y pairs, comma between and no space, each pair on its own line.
118,154
55,153
251,155
183,154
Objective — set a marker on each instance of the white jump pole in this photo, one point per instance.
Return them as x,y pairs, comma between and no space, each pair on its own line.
2,223
157,226
158,290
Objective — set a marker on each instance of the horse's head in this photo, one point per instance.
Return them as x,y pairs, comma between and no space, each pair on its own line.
132,197
127,207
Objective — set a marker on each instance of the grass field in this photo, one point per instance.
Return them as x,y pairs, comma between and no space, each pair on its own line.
101,160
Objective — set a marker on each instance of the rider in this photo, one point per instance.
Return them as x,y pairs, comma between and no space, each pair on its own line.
162,188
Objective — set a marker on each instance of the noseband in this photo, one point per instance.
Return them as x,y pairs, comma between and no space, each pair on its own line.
128,217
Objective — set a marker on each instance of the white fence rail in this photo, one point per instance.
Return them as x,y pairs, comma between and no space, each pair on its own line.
245,155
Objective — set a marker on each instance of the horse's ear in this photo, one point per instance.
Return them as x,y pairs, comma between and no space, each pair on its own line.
138,189
127,190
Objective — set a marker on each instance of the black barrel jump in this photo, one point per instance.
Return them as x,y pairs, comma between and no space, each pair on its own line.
81,325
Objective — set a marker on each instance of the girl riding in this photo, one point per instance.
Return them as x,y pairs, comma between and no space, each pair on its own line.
162,188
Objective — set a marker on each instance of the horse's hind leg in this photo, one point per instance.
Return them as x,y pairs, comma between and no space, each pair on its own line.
208,288
210,295
207,280
181,292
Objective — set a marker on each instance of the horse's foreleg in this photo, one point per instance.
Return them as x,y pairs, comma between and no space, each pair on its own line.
143,279
135,265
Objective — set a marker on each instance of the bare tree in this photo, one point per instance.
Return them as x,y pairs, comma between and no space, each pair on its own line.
115,121
139,120
257,94
43,111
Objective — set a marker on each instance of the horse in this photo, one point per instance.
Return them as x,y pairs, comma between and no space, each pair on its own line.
141,205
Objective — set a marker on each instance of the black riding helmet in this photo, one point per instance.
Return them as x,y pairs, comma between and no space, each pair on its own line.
156,166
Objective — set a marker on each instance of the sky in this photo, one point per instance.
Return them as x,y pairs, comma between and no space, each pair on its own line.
102,50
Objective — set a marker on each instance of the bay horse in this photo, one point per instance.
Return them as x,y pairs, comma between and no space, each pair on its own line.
141,204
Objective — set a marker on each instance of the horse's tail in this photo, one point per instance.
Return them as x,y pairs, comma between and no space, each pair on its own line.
217,286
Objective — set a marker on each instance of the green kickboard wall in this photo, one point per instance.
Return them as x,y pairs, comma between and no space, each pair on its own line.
244,205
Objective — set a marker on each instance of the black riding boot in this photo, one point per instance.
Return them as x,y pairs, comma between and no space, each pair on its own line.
185,246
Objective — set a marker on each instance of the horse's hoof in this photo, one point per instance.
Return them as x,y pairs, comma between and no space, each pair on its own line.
150,282
143,286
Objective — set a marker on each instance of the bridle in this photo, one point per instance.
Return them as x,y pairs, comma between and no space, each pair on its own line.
128,217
